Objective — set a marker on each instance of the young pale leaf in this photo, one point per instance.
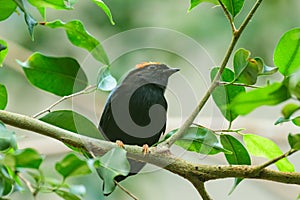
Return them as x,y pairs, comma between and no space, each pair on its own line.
7,138
41,5
7,7
294,141
72,165
287,52
233,6
106,9
51,73
24,158
3,51
30,21
289,109
194,3
113,163
66,195
55,4
246,69
263,147
239,155
78,36
106,81
72,121
200,140
3,97
264,69
224,95
272,94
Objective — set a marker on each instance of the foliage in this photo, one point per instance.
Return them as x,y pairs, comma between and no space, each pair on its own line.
235,93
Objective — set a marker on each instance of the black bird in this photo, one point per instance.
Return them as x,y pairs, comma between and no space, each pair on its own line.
135,111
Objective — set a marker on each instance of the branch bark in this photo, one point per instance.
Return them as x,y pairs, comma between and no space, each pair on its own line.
195,173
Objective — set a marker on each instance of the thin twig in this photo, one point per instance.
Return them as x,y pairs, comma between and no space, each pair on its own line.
270,162
27,183
171,140
230,19
237,84
87,90
220,130
125,190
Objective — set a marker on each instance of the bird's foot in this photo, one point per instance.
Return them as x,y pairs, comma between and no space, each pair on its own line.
146,149
120,144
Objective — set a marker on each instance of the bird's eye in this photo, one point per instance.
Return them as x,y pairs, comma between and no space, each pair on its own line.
152,67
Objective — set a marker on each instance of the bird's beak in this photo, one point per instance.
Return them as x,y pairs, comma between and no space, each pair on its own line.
171,71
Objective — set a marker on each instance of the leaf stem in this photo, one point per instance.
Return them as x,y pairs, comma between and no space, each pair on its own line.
87,90
171,140
237,84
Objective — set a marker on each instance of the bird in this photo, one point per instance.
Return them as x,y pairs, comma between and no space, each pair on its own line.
135,112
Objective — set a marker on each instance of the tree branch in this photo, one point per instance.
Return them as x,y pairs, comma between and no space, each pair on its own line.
181,131
165,160
230,19
270,162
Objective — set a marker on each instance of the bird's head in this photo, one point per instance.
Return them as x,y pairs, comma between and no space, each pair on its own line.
151,73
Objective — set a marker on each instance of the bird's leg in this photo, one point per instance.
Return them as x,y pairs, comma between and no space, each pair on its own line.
120,143
146,149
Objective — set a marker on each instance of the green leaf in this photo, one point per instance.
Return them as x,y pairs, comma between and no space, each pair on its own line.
66,195
272,94
7,7
106,9
194,3
287,52
246,69
296,121
263,147
106,81
3,50
294,84
72,121
7,138
3,97
224,95
112,164
200,140
289,109
294,141
71,165
78,36
233,6
239,155
30,21
24,158
6,182
59,75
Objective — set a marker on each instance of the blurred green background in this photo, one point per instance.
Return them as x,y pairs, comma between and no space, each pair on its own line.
153,31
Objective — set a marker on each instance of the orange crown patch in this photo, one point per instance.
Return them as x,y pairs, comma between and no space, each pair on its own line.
144,64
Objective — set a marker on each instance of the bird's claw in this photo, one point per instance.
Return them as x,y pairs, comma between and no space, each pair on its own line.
120,144
146,149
